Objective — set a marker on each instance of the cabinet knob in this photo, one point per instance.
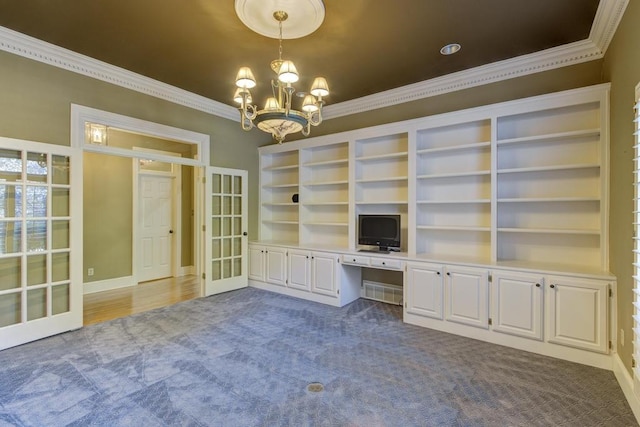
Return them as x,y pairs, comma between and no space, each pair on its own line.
438,273
552,286
537,285
307,256
448,274
383,263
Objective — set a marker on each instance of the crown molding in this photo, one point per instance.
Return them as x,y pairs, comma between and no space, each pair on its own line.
605,23
32,48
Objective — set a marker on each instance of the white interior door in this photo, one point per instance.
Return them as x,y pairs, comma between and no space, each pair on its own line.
40,241
156,222
225,228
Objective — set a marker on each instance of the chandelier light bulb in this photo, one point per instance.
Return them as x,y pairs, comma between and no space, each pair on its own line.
242,94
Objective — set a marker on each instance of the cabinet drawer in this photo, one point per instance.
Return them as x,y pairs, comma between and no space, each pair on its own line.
356,260
390,264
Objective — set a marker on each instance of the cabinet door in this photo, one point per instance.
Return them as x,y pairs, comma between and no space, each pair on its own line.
256,263
324,272
424,290
299,270
276,266
467,296
517,304
578,313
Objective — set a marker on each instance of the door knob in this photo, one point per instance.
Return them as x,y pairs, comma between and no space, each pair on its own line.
170,231
244,233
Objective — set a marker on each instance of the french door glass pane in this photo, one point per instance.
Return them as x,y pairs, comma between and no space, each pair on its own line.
60,268
237,185
10,273
60,202
37,169
36,201
215,227
60,173
226,226
226,247
237,267
226,268
215,270
216,184
36,236
36,269
60,299
60,234
226,184
36,303
10,309
216,209
10,237
10,201
10,165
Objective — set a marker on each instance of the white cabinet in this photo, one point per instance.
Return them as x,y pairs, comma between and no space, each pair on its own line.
324,273
313,272
275,265
578,313
517,307
256,263
268,264
424,290
467,296
299,270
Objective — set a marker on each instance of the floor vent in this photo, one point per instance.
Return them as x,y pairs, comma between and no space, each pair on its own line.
315,387
384,292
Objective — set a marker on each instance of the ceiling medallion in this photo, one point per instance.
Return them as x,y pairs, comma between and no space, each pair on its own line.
277,117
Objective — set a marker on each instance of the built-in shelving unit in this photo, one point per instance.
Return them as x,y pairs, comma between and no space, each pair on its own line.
324,194
279,182
518,183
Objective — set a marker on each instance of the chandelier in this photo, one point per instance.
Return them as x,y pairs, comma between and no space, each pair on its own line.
278,117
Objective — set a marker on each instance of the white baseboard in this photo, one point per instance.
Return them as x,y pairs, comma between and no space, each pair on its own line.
107,285
186,271
626,384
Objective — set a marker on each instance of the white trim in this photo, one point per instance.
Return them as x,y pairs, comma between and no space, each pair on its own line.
605,23
108,284
626,384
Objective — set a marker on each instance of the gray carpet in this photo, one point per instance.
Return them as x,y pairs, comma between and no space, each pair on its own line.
246,358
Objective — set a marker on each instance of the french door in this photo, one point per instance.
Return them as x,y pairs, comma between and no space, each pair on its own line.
225,229
40,241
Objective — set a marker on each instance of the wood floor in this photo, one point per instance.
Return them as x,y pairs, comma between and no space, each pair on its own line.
107,305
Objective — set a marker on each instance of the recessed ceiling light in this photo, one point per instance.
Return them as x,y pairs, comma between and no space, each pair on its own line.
450,49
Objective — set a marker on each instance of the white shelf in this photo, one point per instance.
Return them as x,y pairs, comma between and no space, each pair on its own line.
267,204
549,168
292,185
551,137
382,156
269,221
391,178
549,200
453,228
325,204
382,202
453,202
326,163
319,183
548,231
326,224
474,146
279,168
455,175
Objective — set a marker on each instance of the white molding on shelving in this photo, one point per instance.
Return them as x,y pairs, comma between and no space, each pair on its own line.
605,23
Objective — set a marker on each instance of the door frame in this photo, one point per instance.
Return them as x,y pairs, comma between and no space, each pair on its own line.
81,116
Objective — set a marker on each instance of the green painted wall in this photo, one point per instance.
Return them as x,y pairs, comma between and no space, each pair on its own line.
622,68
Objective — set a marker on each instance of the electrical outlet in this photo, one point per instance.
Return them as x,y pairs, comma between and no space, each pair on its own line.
622,337
90,272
